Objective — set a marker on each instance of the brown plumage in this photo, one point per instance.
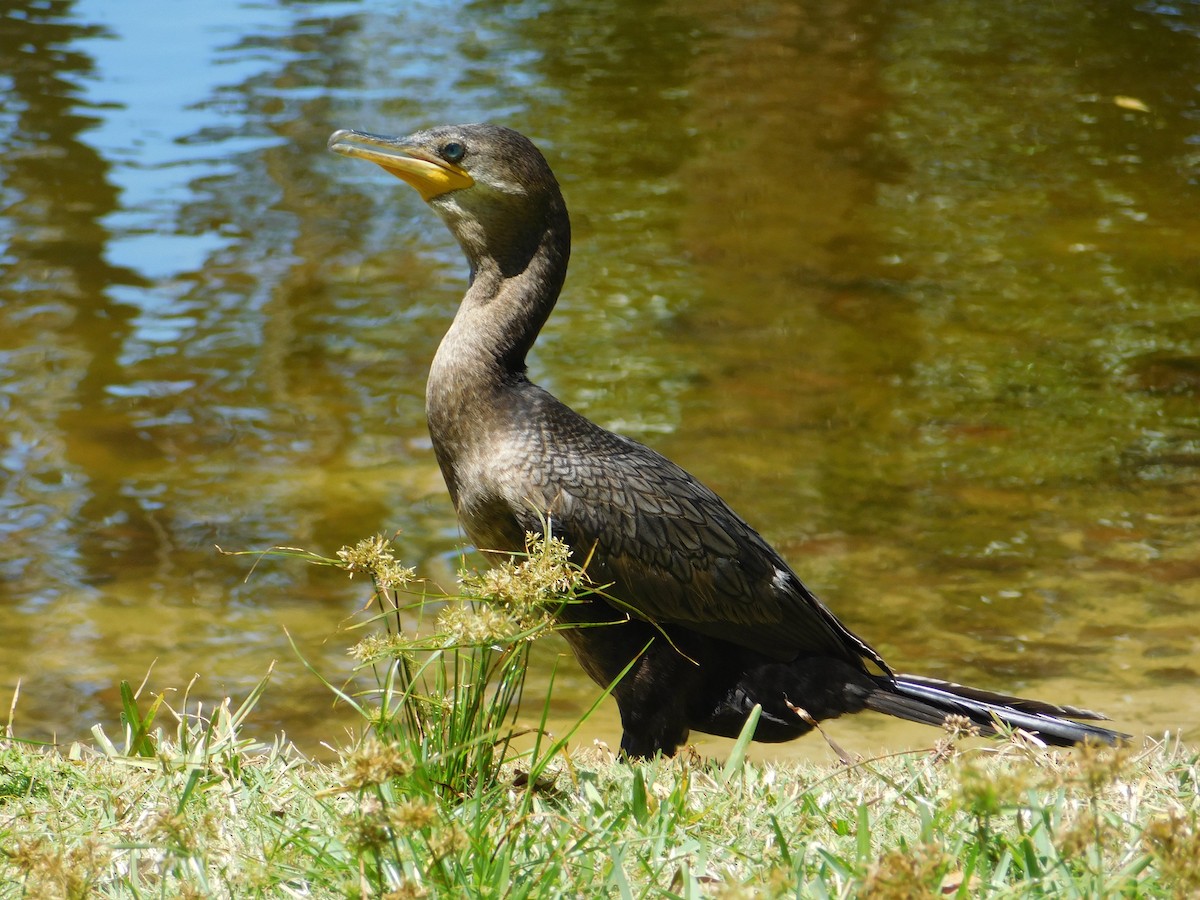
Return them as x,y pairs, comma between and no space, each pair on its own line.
715,619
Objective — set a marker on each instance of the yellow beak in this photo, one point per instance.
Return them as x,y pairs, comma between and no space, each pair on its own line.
429,174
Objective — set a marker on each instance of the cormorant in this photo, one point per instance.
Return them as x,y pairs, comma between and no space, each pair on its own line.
710,616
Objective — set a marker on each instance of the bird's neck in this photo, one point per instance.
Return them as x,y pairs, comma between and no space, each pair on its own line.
483,354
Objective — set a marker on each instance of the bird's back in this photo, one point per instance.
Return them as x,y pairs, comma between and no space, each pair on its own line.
672,550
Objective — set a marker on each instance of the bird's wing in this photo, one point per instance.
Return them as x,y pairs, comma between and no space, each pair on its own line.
673,550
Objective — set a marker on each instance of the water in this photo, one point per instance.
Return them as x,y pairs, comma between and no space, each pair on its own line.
914,289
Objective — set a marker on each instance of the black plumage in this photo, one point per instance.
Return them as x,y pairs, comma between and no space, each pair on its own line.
715,619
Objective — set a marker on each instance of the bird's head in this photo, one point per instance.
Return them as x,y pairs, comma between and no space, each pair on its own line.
490,184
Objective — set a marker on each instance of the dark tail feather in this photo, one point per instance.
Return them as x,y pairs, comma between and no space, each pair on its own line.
929,701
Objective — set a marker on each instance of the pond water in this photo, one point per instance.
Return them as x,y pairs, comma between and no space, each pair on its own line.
914,287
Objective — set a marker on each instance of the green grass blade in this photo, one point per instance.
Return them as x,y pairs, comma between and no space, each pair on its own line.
737,756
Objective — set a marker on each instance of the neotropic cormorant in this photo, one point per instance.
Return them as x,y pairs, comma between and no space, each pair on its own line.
719,621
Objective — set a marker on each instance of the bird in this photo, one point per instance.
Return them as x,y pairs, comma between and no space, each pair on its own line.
701,623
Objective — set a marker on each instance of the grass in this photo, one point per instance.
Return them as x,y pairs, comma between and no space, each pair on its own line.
437,798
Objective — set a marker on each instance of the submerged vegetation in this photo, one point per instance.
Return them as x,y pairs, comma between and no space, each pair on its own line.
448,791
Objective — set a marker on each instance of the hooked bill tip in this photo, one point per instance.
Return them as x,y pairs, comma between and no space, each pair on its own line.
336,137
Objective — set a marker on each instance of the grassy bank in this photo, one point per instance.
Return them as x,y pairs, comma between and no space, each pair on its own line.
434,798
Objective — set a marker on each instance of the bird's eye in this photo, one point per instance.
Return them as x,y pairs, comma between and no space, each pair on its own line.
453,152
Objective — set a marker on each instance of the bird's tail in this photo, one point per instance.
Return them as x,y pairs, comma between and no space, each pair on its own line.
930,701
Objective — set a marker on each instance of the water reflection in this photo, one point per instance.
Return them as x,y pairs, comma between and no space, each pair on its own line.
60,329
910,286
